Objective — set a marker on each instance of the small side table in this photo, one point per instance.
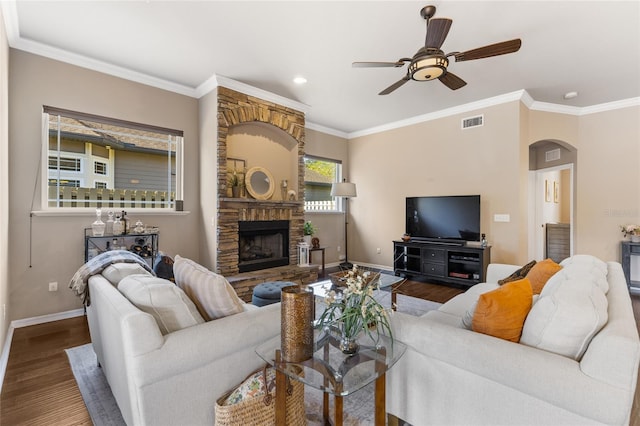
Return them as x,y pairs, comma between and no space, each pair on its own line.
320,249
335,373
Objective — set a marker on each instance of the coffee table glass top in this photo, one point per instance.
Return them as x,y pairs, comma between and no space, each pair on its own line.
332,371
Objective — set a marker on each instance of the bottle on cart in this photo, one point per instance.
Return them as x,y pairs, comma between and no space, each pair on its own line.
125,223
117,226
483,241
98,226
109,228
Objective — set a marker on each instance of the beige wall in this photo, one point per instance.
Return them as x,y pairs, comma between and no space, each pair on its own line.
330,225
608,180
438,158
55,251
4,182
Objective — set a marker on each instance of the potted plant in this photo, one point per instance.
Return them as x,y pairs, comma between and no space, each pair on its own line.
308,230
236,183
352,310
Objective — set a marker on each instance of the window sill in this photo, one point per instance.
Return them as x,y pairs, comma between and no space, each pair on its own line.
91,212
322,212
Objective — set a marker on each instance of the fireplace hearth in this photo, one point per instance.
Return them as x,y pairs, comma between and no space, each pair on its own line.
262,244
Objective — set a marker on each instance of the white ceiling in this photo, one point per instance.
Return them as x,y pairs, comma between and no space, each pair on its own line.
585,46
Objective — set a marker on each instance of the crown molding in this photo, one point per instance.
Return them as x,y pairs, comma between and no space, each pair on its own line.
101,66
219,80
521,95
610,106
496,100
555,108
327,130
10,16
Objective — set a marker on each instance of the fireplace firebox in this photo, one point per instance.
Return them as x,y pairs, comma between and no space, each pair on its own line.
263,244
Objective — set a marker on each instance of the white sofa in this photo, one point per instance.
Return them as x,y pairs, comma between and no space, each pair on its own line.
452,375
172,379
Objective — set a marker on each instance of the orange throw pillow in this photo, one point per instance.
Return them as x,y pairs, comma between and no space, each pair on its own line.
501,312
540,274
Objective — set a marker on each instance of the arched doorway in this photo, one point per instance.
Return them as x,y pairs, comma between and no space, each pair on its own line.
552,194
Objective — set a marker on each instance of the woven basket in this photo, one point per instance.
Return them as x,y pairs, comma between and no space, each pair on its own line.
260,410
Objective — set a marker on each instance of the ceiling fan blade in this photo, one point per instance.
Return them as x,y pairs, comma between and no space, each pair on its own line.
377,64
452,81
491,50
437,30
394,86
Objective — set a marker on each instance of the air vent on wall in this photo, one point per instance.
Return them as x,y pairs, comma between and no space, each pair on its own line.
552,155
473,121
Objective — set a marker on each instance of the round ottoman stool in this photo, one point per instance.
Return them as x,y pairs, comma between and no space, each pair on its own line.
269,292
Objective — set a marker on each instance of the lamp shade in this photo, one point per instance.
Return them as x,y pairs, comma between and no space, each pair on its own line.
343,189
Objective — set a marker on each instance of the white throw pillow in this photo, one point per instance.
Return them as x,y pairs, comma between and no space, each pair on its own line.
166,302
212,293
116,272
568,313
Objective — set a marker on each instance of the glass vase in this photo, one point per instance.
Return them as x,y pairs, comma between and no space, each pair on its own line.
348,344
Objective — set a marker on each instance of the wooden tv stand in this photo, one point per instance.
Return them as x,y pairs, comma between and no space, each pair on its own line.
452,264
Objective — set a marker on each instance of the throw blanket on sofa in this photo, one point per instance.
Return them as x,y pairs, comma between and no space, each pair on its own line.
96,265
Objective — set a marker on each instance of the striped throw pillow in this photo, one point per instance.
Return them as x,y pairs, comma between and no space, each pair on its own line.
211,293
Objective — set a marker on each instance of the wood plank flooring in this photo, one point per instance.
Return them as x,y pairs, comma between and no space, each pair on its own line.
39,388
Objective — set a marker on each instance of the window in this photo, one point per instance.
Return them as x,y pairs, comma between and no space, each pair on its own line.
66,164
319,174
65,182
100,168
134,165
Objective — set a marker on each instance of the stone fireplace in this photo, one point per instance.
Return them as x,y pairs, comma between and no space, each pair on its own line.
235,108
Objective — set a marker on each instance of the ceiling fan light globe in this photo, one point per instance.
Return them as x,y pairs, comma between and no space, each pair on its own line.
428,68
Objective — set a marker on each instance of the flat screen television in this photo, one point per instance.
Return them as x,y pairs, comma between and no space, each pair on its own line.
454,218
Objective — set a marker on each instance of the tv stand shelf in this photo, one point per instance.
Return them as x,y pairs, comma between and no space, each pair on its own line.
451,264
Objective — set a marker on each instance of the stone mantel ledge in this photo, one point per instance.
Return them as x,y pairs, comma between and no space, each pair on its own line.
243,201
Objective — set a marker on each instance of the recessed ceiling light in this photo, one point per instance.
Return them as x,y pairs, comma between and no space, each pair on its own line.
299,80
570,95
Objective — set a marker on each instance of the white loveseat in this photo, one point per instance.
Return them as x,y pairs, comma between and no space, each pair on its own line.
172,379
452,375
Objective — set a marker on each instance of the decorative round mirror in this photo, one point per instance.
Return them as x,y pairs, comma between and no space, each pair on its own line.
259,183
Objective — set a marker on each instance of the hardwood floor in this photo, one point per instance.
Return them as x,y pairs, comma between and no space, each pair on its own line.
39,388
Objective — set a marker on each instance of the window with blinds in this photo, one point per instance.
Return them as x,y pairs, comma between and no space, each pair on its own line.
94,161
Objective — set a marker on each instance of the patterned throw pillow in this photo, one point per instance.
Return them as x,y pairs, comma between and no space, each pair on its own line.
212,294
519,274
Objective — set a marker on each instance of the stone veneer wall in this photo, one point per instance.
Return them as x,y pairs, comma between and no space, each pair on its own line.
237,108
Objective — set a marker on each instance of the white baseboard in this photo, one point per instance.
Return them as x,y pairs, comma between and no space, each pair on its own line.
4,357
47,318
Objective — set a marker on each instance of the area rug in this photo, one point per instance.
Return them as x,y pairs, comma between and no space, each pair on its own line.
102,407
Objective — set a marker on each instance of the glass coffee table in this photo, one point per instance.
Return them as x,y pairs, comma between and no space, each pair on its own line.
335,373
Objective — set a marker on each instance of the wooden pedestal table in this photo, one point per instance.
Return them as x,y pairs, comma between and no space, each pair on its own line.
334,373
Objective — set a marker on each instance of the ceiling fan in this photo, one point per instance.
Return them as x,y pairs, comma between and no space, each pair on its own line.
430,62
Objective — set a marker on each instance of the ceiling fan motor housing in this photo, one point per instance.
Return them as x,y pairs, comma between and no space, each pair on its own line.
428,67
